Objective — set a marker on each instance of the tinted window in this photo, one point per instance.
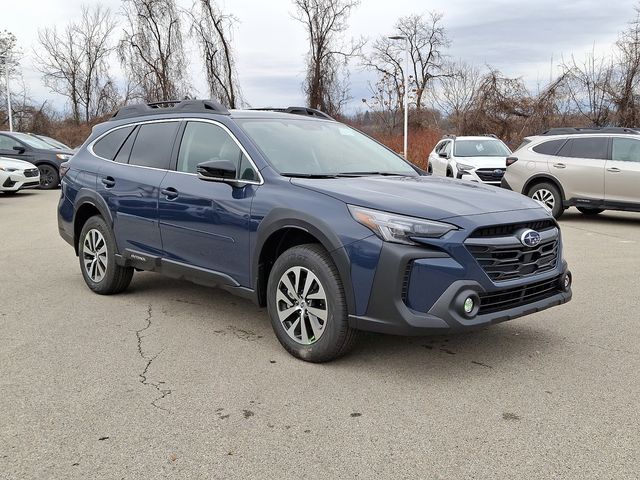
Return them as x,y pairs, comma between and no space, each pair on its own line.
125,149
202,142
440,147
626,150
447,148
153,144
595,147
549,148
108,146
7,143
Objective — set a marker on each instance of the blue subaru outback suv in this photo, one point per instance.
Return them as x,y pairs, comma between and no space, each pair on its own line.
330,230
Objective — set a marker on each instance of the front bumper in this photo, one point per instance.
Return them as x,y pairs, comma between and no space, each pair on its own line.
418,291
18,181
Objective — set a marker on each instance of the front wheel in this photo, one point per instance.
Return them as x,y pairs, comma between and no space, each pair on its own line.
590,211
97,254
549,195
307,305
49,177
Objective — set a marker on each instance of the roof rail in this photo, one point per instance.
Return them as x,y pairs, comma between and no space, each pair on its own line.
306,111
599,130
492,135
449,135
170,106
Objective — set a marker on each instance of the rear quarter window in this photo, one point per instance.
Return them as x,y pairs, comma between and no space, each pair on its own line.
549,148
108,146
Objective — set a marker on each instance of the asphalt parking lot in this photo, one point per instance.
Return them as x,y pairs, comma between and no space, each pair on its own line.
176,380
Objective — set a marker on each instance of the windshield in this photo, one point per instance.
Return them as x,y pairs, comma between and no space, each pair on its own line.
481,148
311,147
31,141
54,142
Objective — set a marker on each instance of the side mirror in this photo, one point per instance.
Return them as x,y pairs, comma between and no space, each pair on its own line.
443,155
217,171
19,149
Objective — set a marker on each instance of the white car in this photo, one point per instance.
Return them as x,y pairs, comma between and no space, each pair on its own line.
17,174
480,159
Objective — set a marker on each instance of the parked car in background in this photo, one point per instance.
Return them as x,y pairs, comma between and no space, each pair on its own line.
16,175
23,146
330,230
480,159
52,141
593,169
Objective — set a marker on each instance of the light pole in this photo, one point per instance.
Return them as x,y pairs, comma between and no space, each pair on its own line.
406,92
6,73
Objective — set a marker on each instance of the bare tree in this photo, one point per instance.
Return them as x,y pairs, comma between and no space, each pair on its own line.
74,63
151,49
384,102
456,91
588,86
212,31
427,42
326,84
625,83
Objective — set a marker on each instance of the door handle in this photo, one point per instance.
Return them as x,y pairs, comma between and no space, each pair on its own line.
559,165
108,182
169,192
613,170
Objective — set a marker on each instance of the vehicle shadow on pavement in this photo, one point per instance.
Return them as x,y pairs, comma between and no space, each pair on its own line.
487,349
575,218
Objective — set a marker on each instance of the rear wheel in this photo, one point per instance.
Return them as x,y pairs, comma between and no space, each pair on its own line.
307,305
590,211
549,195
97,254
49,176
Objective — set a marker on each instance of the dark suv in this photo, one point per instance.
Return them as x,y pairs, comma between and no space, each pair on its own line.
46,157
329,229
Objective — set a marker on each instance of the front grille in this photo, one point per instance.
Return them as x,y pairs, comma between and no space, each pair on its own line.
32,172
512,297
510,229
509,259
490,174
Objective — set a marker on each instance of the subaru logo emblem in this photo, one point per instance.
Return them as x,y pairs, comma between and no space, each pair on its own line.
530,238
497,172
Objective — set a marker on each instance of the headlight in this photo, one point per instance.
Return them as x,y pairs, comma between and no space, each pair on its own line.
62,156
398,228
464,168
7,169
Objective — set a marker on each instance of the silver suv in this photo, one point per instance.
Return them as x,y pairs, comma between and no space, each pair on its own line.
593,169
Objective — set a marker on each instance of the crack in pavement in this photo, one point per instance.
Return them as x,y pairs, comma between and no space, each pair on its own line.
143,376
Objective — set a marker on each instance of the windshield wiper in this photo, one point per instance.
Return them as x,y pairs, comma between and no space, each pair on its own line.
362,174
308,175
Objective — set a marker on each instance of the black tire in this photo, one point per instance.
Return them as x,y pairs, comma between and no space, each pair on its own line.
337,338
430,169
116,279
449,172
49,177
590,211
541,189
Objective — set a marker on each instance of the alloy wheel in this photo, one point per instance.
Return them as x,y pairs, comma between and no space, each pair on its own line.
94,255
544,196
302,305
47,175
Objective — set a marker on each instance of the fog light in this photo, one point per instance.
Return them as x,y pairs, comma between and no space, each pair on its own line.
566,282
468,305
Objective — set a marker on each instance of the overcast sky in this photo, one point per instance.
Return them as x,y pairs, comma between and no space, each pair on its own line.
519,37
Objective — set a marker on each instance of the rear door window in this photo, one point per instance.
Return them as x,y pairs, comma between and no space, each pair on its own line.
549,148
593,147
108,146
153,145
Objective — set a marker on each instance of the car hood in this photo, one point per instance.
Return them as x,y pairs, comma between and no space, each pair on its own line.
13,163
428,197
483,162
